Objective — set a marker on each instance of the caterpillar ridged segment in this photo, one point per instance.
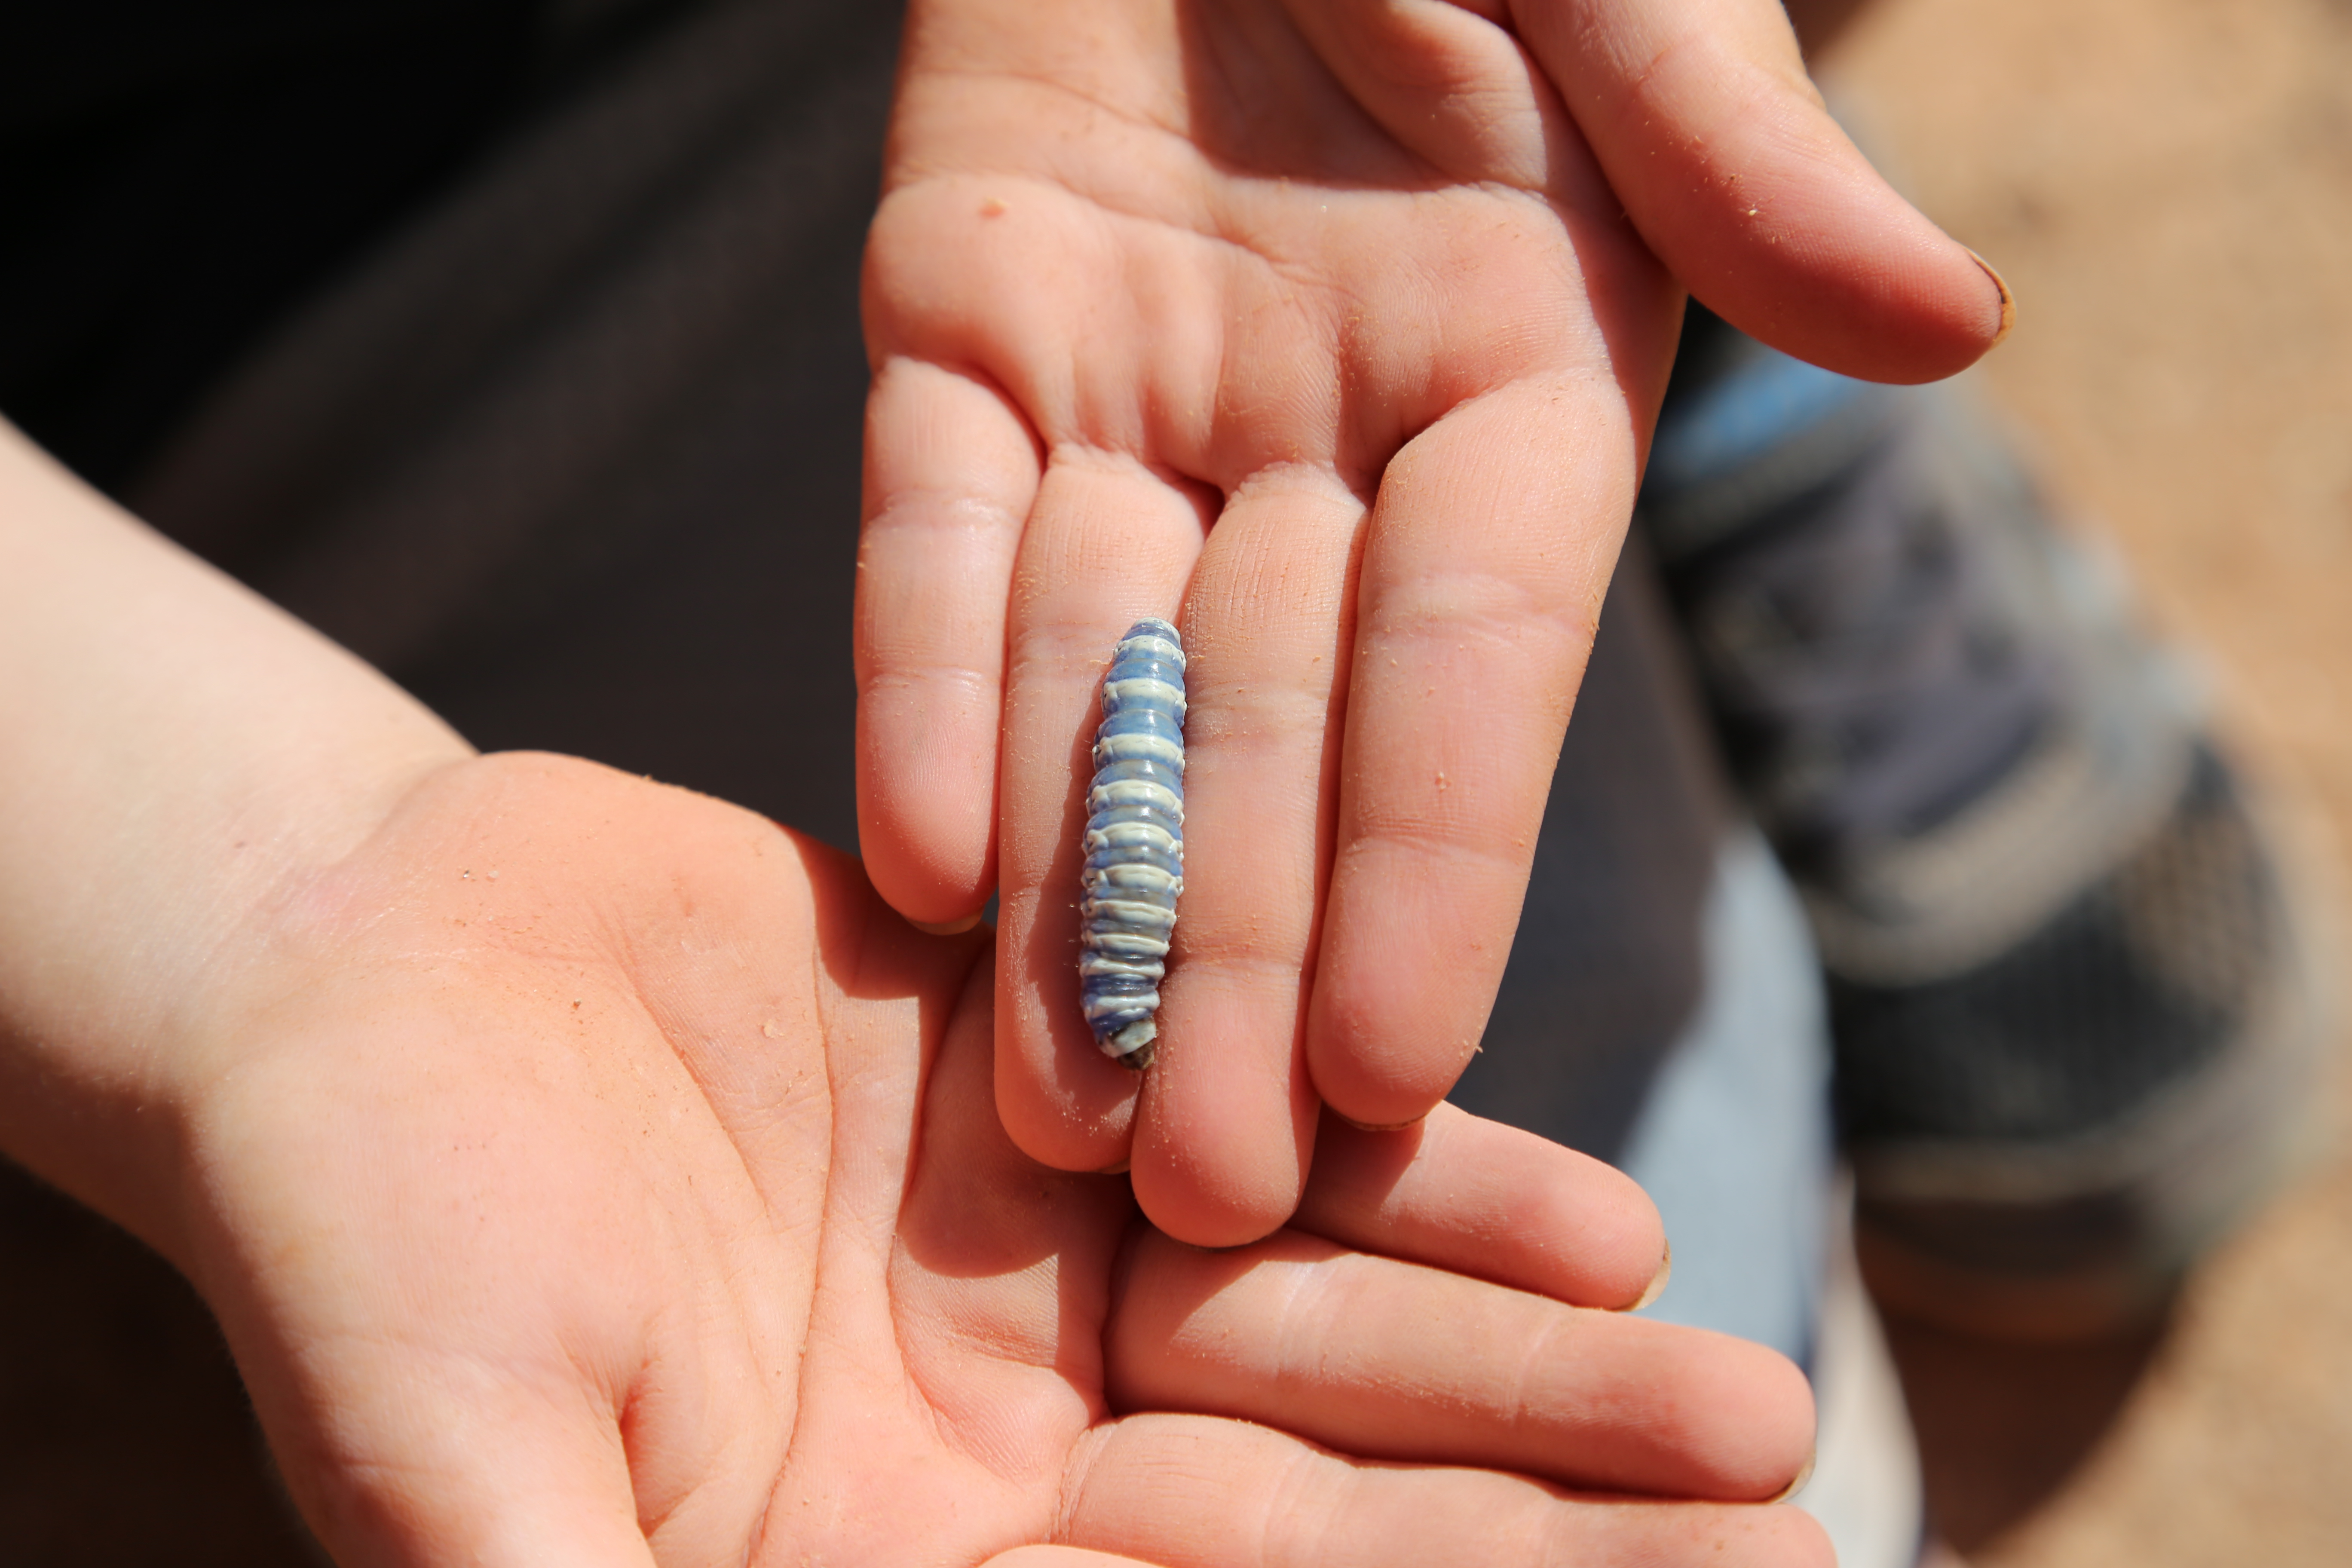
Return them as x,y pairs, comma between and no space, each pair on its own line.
1134,845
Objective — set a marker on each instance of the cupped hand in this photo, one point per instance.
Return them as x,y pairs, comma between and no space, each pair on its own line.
590,1172
1332,329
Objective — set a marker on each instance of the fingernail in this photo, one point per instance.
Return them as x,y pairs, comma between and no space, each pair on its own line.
948,928
1658,1286
1381,1126
2008,299
1803,1475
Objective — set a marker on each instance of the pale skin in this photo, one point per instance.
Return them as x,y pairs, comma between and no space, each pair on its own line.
1332,329
587,1172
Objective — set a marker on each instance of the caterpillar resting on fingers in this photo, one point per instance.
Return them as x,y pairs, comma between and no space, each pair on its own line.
1134,841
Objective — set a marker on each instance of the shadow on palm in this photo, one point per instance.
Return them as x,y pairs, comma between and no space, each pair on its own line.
604,1169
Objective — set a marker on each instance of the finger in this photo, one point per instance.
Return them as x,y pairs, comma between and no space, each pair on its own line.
1449,84
1336,1347
1190,1492
1491,545
1457,1191
950,472
1714,139
1228,1117
1059,1557
1109,543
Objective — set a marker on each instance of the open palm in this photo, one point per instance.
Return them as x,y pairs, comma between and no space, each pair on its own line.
1323,328
593,1173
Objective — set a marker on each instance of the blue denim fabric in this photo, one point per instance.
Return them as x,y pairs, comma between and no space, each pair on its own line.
1733,1143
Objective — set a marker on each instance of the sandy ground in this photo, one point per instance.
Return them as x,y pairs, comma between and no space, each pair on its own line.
2167,186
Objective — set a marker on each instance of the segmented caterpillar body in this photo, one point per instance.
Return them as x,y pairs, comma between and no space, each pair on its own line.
1134,841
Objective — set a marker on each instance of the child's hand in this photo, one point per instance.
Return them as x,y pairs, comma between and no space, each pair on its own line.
585,1171
589,1173
1333,331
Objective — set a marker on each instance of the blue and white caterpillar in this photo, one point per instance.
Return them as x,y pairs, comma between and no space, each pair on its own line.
1134,841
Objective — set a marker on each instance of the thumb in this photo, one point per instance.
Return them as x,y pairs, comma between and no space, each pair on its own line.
462,1466
1711,133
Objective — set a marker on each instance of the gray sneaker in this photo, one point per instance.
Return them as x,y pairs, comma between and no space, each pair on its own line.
2076,1018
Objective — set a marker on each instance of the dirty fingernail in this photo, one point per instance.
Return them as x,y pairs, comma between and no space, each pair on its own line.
2008,299
1658,1286
1811,1457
